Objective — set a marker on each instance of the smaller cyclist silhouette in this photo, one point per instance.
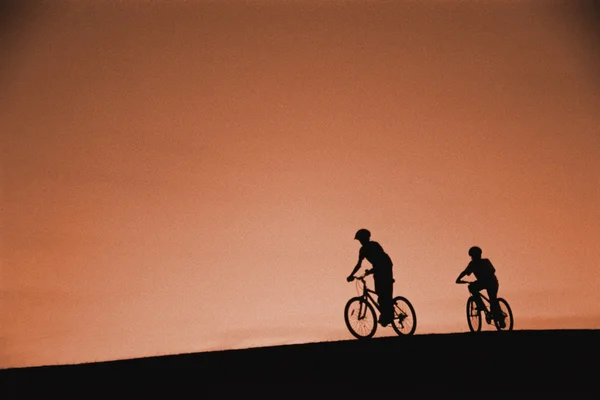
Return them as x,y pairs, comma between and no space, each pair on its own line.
382,273
485,275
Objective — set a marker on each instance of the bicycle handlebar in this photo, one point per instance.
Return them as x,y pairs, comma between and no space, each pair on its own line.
362,277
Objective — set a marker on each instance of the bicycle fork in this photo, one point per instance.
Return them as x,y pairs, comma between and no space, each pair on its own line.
362,311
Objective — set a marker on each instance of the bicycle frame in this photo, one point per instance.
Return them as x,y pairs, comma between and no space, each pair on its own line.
486,303
485,300
367,293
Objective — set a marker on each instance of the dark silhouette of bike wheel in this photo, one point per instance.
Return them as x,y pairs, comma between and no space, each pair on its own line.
405,318
473,315
360,318
508,316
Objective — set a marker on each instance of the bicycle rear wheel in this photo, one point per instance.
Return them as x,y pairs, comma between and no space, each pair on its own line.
360,318
473,315
405,318
506,315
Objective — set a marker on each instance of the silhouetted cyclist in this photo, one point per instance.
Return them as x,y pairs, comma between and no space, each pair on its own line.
485,273
382,273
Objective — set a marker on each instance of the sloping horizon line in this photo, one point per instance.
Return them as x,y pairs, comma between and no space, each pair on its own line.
287,345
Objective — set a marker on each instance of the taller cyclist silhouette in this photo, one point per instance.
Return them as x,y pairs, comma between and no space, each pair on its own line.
382,273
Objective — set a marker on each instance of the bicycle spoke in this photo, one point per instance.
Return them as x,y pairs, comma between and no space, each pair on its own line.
360,318
473,315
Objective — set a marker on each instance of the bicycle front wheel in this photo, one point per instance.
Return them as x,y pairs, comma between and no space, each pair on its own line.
360,318
506,315
473,315
405,318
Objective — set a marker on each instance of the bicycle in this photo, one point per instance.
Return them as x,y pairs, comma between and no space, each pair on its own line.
474,319
361,319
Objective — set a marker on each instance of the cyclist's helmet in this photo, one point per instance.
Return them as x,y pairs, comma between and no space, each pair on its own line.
475,251
362,234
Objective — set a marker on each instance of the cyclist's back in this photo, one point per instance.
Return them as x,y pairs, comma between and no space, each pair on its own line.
379,259
483,270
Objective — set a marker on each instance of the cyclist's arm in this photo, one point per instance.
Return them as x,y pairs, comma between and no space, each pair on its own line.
467,271
462,275
357,267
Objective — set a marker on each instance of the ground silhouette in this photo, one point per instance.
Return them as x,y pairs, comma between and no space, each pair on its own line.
530,360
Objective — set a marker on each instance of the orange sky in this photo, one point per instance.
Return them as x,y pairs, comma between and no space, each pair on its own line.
186,176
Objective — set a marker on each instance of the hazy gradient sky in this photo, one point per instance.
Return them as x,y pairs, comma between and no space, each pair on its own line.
184,176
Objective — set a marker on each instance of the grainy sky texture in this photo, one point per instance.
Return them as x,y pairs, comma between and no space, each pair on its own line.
184,176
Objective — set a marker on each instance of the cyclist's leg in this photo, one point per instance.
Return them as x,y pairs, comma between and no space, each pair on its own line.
388,306
474,289
384,289
492,290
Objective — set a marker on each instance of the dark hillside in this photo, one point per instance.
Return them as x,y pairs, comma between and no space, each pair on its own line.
539,361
